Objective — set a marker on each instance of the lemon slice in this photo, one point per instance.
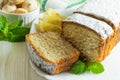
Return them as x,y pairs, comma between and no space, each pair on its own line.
51,21
53,17
45,26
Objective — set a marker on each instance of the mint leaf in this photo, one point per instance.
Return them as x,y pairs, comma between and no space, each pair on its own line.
2,35
3,27
78,68
18,34
15,24
5,32
95,67
17,38
15,32
3,22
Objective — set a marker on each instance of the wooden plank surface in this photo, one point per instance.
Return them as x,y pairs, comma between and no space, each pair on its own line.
14,65
14,62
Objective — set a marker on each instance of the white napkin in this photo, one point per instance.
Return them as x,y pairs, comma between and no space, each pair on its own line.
62,4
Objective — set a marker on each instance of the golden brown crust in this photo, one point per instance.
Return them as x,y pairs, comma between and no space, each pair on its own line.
62,69
109,44
67,63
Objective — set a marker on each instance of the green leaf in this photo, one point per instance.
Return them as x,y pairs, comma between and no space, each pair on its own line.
2,35
3,27
6,31
95,67
15,24
17,38
21,30
18,34
78,68
3,22
15,32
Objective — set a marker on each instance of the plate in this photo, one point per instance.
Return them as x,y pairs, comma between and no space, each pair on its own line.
111,65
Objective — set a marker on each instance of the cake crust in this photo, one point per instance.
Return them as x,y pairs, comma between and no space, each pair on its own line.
106,45
47,65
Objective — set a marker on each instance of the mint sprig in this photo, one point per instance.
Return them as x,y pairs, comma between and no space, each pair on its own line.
95,67
80,67
14,32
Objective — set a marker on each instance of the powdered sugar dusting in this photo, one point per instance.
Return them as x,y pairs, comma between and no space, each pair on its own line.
107,9
98,26
38,61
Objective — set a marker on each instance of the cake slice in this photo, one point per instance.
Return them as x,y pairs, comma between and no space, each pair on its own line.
50,52
94,38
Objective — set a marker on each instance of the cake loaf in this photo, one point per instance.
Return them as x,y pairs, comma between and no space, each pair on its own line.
89,35
50,52
104,10
82,28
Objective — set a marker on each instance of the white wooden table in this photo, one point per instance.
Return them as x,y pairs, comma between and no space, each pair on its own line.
14,62
14,65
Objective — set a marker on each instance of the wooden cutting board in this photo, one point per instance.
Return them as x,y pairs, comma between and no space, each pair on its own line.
14,62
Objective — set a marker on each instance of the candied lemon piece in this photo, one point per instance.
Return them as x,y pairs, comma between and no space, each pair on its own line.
51,21
53,17
39,27
45,26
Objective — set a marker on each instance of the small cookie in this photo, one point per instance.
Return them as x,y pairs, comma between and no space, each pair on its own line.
19,5
4,2
16,2
20,11
30,5
9,8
